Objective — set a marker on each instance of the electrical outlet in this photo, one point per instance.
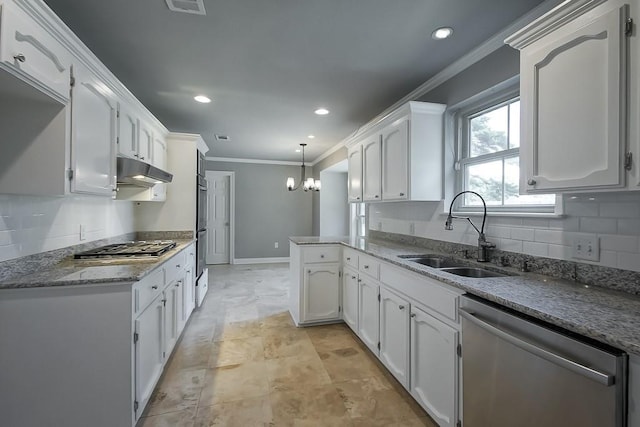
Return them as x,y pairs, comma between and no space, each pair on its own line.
275,245
586,247
412,229
83,232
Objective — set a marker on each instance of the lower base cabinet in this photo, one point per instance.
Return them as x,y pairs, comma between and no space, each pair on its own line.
149,348
394,335
350,298
369,313
321,290
434,367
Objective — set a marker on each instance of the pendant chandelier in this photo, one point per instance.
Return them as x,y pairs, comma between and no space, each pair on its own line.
308,184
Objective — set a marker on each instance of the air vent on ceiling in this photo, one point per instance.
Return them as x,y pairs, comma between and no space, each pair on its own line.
223,137
187,6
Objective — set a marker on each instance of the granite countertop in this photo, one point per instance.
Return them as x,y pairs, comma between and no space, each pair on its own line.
72,272
611,317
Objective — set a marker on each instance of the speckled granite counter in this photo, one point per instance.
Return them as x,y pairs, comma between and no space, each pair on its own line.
73,272
608,316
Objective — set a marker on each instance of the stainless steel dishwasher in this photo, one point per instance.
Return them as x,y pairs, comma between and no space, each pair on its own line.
521,372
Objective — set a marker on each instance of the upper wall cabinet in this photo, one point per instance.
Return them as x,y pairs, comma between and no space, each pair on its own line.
93,134
354,156
574,97
30,53
127,131
402,155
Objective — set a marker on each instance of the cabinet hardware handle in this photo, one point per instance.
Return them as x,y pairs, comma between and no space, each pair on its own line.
321,256
401,307
376,196
348,258
413,315
136,156
20,57
154,287
358,198
359,280
531,182
141,158
177,265
353,277
401,194
366,267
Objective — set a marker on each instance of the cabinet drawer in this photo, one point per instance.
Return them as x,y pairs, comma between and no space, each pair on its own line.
148,289
29,50
430,293
175,267
321,254
369,265
350,258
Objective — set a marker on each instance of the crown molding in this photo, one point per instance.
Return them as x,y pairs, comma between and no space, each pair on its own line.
191,137
255,161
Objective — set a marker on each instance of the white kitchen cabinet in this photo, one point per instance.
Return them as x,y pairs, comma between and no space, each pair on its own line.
354,160
189,289
574,121
321,292
394,335
406,163
127,131
145,142
395,155
371,169
434,367
634,391
93,134
350,298
28,51
159,151
369,313
149,349
171,304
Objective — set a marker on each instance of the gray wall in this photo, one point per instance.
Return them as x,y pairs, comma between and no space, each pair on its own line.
334,208
265,211
338,156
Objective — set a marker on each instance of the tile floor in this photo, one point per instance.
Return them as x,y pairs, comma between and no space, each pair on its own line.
241,362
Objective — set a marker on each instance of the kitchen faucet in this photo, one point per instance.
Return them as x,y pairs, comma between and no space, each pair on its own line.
483,245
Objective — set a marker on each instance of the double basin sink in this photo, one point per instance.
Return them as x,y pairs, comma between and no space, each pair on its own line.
452,266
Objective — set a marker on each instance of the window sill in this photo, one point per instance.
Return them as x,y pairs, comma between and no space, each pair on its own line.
508,214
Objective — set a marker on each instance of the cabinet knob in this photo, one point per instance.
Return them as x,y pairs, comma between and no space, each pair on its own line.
348,258
401,194
366,267
376,196
136,156
20,57
358,198
413,315
321,256
154,287
401,307
177,265
141,158
531,182
309,271
359,280
353,277
178,284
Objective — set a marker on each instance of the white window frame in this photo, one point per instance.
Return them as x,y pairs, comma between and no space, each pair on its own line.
488,100
359,213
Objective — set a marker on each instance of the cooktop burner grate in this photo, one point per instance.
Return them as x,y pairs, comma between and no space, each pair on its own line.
128,249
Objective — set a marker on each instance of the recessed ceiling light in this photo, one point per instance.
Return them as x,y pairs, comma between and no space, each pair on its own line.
202,99
442,33
322,111
311,136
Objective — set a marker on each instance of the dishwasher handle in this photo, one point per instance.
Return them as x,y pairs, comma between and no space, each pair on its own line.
600,377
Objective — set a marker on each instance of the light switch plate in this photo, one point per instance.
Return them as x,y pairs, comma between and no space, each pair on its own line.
586,247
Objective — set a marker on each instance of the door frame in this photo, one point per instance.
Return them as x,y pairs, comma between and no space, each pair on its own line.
232,207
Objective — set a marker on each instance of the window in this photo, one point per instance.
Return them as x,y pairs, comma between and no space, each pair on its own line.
489,158
358,219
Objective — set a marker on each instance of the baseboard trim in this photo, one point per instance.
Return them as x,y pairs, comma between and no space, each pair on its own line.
273,260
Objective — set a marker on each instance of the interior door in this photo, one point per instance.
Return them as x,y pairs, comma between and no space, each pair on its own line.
218,220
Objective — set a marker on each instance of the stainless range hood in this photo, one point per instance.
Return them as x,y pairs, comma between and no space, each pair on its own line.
141,174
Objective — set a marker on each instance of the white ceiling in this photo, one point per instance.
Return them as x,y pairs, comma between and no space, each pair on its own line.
268,64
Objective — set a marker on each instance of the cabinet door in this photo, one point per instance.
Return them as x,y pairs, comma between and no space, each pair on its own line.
127,132
145,143
573,120
434,367
180,312
369,313
170,317
93,140
321,292
395,161
394,335
27,49
159,155
355,174
350,299
148,351
371,169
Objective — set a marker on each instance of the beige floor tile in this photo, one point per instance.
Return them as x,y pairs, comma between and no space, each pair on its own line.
177,391
331,337
171,419
254,412
280,320
310,404
234,382
233,352
237,331
375,399
295,372
190,355
411,422
349,363
285,342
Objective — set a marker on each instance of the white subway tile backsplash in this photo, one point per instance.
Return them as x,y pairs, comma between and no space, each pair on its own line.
581,209
535,222
629,261
510,245
498,232
550,236
620,243
560,252
620,210
535,248
607,259
523,234
629,226
598,225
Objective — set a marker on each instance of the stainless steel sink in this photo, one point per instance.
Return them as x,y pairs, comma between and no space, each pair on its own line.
434,261
478,273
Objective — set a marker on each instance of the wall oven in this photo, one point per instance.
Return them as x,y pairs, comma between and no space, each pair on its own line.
522,372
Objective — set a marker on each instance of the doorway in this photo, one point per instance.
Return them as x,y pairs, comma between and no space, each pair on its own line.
334,207
220,217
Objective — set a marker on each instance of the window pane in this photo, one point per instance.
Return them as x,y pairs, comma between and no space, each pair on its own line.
514,125
486,180
511,187
488,132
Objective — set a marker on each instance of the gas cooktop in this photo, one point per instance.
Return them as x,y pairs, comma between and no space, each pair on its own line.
128,249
